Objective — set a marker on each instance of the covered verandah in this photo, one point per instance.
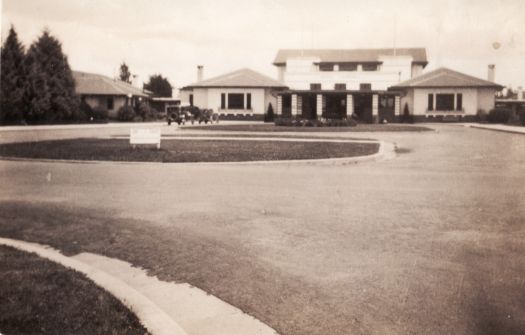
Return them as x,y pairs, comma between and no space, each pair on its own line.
369,107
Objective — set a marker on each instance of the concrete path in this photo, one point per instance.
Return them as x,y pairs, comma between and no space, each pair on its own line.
500,127
163,308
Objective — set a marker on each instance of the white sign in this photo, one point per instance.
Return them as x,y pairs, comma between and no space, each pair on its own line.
144,136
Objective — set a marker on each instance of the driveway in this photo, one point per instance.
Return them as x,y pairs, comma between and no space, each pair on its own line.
431,242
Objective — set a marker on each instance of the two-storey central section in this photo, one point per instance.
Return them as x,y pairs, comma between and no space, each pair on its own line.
342,83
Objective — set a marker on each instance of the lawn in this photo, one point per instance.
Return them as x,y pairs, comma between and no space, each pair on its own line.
173,151
38,296
270,127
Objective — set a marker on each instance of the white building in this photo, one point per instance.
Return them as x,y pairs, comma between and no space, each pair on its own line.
340,83
444,94
240,93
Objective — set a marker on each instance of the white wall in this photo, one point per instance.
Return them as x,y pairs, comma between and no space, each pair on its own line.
486,99
420,99
299,75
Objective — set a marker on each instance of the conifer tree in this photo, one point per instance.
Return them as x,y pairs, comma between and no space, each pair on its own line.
12,81
51,87
159,85
125,75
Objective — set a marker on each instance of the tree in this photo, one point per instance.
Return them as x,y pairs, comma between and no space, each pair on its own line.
125,75
159,85
269,116
51,88
12,80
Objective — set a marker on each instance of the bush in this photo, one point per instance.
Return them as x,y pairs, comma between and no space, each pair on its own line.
145,112
481,115
300,122
521,116
126,113
407,117
99,113
499,115
269,116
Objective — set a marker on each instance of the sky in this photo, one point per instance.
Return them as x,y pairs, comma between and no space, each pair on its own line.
172,37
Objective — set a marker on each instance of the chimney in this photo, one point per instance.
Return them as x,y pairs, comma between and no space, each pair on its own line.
491,72
200,72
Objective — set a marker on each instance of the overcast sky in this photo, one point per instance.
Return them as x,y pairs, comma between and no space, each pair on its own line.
172,37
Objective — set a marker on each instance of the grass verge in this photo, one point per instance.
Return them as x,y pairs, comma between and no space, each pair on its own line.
38,296
270,127
174,151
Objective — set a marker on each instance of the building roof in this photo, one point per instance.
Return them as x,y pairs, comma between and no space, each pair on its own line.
351,55
240,78
444,77
97,84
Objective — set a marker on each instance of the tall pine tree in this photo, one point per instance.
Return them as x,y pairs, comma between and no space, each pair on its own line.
51,87
125,75
12,80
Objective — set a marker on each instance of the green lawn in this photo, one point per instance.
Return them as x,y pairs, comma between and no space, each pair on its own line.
38,296
270,127
185,150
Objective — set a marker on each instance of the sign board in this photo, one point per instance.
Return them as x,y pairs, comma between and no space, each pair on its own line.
144,136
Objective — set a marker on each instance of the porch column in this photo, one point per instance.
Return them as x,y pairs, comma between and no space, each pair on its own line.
349,105
294,104
397,106
280,105
299,105
319,105
375,108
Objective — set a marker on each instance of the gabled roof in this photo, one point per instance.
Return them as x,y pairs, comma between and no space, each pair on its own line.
240,78
97,84
444,77
351,55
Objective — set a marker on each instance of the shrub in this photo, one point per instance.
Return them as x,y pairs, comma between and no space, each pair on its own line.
146,112
300,122
269,116
126,113
481,115
407,117
99,113
521,115
283,122
499,115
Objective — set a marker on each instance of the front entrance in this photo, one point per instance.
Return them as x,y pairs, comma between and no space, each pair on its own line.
386,110
309,106
363,107
335,106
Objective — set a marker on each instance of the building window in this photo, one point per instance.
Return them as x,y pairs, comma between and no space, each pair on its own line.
348,67
191,99
315,87
369,67
326,67
340,87
365,87
445,102
235,101
223,100
430,102
386,101
459,101
110,103
248,101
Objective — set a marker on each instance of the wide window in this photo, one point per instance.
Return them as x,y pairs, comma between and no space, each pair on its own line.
459,101
235,101
340,87
326,67
430,102
365,87
315,86
348,67
369,67
445,102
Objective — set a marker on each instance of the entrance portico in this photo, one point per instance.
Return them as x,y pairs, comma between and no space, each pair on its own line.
369,107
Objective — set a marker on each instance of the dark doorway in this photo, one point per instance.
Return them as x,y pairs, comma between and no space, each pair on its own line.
386,108
287,106
335,106
309,102
363,107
